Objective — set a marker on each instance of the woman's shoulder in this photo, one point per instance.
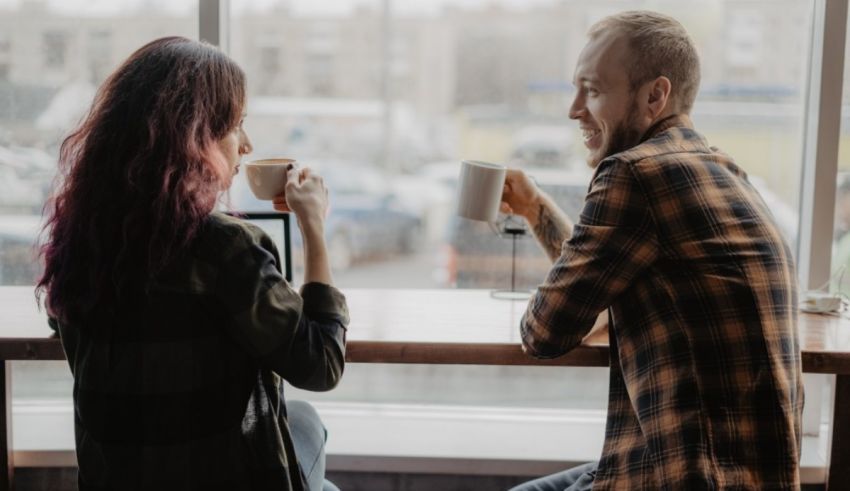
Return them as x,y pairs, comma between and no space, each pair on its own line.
224,247
231,226
222,230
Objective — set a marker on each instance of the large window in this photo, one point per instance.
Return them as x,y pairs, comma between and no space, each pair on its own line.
385,98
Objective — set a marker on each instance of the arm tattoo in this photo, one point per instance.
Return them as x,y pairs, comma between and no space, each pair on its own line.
551,230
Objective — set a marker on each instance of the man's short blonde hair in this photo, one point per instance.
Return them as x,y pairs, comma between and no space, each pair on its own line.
659,46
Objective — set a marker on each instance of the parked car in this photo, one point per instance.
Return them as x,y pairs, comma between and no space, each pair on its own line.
430,196
26,175
366,220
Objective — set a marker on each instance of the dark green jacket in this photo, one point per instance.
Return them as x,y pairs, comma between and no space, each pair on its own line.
183,390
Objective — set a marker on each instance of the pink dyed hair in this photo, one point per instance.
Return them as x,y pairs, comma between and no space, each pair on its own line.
139,176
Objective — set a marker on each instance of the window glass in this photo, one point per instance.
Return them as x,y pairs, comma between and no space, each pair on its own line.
53,55
385,98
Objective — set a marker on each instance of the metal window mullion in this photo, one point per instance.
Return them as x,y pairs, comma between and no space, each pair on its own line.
213,19
821,139
212,22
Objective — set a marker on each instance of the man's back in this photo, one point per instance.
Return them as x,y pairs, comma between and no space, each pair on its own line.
705,337
705,389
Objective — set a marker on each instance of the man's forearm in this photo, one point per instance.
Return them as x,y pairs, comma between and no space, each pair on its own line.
551,226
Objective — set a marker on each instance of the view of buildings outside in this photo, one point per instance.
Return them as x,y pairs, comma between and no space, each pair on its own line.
51,61
402,93
53,55
385,98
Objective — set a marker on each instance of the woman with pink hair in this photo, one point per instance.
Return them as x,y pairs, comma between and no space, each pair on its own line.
176,321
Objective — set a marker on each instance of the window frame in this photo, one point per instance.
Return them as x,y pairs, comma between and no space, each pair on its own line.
821,137
821,133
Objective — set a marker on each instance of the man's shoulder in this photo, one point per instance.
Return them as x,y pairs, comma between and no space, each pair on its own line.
678,157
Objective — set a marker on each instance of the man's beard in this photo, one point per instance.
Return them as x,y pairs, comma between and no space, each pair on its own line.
625,136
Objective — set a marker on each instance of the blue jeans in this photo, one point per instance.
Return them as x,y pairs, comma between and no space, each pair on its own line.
576,479
308,437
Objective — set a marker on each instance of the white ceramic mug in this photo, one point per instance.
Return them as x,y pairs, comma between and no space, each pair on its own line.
480,190
267,177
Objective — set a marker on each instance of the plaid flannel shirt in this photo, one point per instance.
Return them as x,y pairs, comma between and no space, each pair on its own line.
705,378
184,392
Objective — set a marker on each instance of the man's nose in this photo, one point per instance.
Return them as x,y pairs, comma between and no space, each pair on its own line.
576,108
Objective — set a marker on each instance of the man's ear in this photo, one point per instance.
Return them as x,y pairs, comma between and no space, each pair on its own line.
658,97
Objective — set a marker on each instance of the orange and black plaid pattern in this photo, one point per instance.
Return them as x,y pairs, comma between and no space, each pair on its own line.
705,380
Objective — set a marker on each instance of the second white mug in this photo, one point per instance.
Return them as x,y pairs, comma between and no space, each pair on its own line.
480,190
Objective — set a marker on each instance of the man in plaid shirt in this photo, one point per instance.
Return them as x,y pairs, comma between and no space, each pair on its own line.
705,378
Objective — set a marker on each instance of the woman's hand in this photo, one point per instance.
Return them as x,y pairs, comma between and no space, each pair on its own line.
305,195
520,196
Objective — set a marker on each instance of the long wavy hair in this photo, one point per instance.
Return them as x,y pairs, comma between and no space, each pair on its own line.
139,176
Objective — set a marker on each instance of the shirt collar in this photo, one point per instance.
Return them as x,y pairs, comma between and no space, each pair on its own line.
672,121
674,133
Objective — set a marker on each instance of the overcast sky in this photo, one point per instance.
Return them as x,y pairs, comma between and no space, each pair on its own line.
299,7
